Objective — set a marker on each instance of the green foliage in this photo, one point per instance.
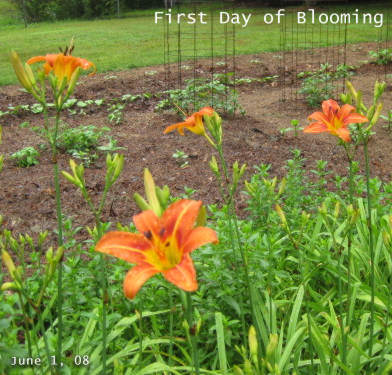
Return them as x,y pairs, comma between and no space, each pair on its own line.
321,84
27,157
199,93
83,142
181,158
382,57
388,119
294,127
291,277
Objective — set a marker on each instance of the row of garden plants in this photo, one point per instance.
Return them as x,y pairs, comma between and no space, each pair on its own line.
301,285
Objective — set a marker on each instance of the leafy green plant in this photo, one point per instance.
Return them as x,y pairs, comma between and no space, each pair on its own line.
83,142
320,85
294,127
27,157
200,93
116,114
181,158
382,57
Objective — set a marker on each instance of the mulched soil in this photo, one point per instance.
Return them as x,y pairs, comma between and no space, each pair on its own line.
27,194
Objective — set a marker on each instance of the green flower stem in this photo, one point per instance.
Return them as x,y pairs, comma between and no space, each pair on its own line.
25,320
232,217
103,264
105,301
171,324
192,334
349,244
53,142
140,333
371,244
43,333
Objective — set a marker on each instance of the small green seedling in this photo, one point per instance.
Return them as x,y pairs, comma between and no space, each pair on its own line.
181,158
294,127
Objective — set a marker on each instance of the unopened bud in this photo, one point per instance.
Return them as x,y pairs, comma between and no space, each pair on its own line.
20,72
281,215
214,166
337,210
252,337
140,201
273,343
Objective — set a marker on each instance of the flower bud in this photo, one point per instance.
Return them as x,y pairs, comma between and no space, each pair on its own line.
163,195
20,71
9,286
30,74
375,117
9,263
59,254
252,338
282,186
251,188
337,210
72,81
352,90
248,367
273,343
119,165
237,370
140,201
151,194
49,255
387,238
379,88
281,215
214,166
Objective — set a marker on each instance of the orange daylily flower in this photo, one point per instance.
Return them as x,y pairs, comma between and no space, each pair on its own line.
62,65
334,119
193,123
163,244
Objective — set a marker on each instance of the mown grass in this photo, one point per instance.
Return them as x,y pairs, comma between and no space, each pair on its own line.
134,41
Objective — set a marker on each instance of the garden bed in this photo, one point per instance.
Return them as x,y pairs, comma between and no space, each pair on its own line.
27,200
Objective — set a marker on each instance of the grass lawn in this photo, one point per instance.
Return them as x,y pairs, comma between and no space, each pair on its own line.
133,41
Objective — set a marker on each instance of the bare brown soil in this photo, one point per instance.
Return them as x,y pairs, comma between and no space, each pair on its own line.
27,194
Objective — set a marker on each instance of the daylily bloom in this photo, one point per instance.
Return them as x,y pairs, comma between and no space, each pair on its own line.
163,244
334,119
193,123
62,65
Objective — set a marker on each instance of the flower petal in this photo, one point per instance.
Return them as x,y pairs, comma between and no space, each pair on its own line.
124,245
319,116
354,118
35,59
136,277
345,111
316,127
206,111
179,126
183,275
147,223
330,106
179,220
343,133
199,237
